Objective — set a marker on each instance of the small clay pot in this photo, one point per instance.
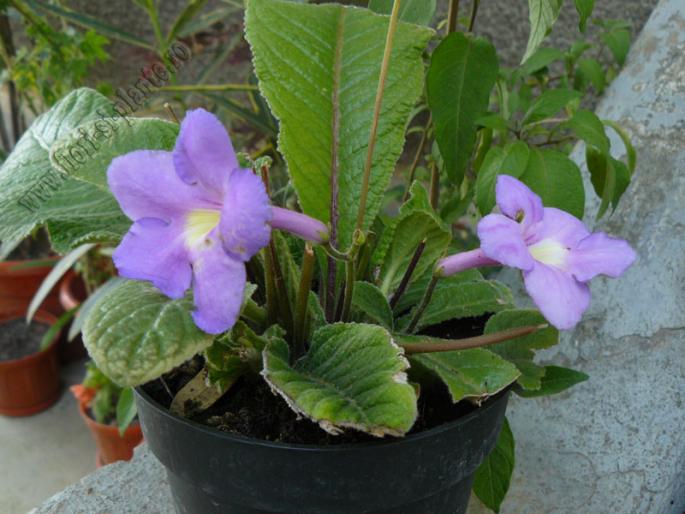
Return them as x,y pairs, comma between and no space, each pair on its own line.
31,384
72,292
111,447
18,284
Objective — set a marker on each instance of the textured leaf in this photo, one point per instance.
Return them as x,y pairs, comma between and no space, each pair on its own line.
413,11
520,351
474,374
352,377
109,138
494,474
542,15
557,179
33,192
584,8
555,380
588,127
86,306
511,159
549,103
370,301
135,334
462,73
318,67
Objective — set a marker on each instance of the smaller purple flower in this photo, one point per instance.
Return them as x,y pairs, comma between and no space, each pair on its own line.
198,218
555,251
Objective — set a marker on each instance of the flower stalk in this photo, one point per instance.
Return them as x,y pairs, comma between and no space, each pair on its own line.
408,274
427,295
302,301
432,345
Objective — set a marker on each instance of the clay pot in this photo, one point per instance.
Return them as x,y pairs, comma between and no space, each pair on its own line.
17,287
111,447
72,292
30,384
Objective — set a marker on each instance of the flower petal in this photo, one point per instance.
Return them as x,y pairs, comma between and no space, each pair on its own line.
218,285
244,225
204,153
501,239
600,254
153,250
560,297
559,226
515,199
146,186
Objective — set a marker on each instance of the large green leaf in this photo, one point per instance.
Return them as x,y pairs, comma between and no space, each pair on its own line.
474,374
542,15
557,179
32,192
511,159
135,334
413,11
318,67
111,137
462,73
494,474
352,377
520,351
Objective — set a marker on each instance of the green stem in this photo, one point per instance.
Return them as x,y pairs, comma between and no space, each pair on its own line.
394,16
432,345
351,274
407,274
453,16
417,158
435,186
474,12
303,301
427,295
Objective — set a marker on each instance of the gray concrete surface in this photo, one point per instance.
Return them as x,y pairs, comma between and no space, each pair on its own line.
42,454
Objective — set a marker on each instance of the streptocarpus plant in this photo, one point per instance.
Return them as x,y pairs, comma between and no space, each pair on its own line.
329,303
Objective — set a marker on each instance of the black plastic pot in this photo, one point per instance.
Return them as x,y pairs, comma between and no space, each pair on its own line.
213,472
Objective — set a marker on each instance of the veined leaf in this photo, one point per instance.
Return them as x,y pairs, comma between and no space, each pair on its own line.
494,474
135,334
511,159
542,15
474,374
352,377
318,67
554,381
462,73
370,301
413,11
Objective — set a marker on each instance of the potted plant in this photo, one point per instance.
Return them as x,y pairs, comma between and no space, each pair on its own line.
299,348
29,371
109,411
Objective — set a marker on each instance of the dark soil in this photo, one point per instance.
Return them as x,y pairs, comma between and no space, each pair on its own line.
251,409
17,339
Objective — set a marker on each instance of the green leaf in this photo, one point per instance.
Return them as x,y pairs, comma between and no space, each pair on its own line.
32,192
370,301
126,409
549,103
610,178
542,15
540,59
474,374
56,273
618,41
321,84
56,327
590,70
352,377
557,179
554,381
462,73
584,8
520,351
110,138
511,159
456,298
494,474
588,127
413,11
192,8
493,121
631,154
135,334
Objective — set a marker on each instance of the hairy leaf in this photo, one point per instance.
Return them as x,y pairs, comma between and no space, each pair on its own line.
370,301
318,67
494,474
352,377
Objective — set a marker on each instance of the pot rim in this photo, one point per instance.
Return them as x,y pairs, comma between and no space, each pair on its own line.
41,316
491,402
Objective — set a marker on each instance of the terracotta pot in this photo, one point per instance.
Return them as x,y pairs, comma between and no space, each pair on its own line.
72,292
17,287
30,384
111,447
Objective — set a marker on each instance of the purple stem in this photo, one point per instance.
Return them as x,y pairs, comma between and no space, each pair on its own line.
301,225
463,261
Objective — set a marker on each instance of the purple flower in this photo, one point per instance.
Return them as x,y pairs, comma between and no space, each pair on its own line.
555,251
198,217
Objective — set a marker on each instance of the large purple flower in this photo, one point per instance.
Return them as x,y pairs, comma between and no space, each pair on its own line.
555,251
198,217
